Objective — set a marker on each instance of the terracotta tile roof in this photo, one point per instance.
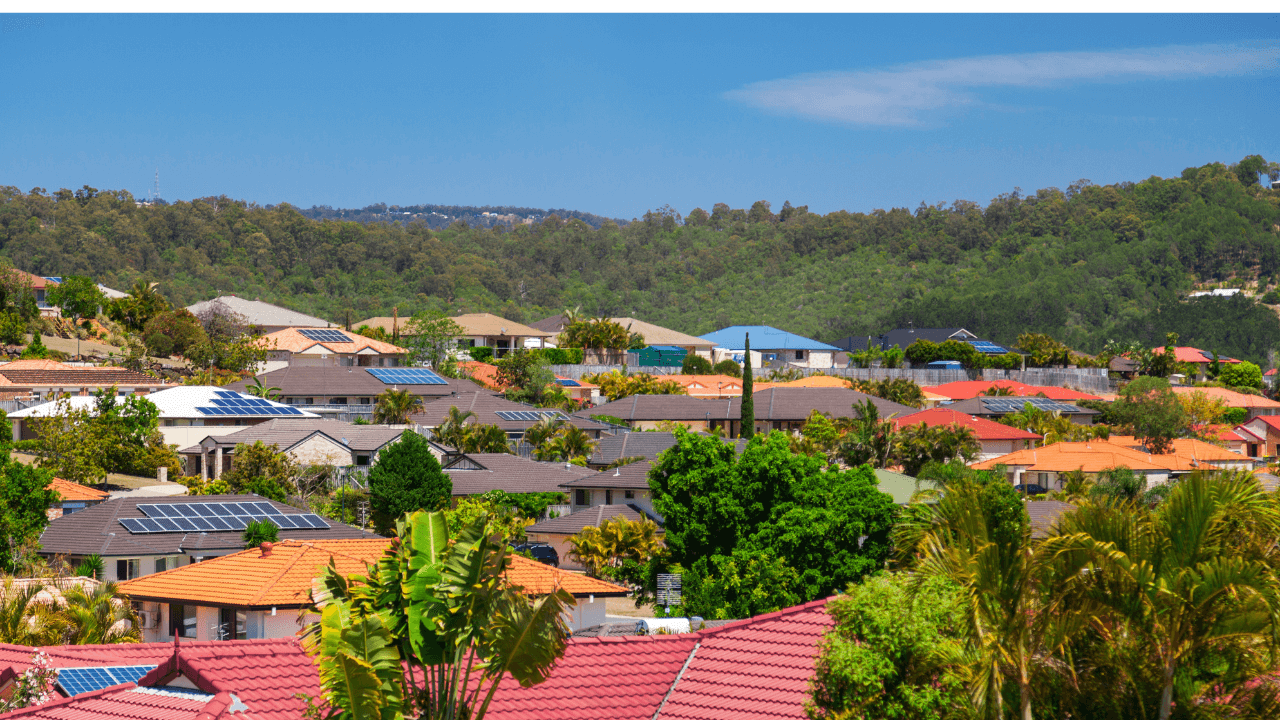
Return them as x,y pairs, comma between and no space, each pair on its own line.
35,364
973,388
538,579
75,492
755,668
254,579
127,701
1093,456
293,340
97,529
512,473
829,381
1189,449
1230,398
594,516
983,429
716,386
490,325
1193,355
482,373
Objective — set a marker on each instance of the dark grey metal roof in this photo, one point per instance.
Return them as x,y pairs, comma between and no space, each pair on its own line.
97,529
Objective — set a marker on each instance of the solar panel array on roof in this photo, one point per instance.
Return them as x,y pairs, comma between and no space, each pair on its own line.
216,517
1016,404
77,681
407,376
226,403
566,382
326,335
985,346
530,415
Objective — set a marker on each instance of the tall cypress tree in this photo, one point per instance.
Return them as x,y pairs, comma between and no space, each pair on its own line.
748,419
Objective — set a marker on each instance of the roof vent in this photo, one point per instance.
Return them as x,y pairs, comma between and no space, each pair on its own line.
266,549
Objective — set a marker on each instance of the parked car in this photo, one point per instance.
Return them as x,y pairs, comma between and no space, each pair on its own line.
1031,489
541,552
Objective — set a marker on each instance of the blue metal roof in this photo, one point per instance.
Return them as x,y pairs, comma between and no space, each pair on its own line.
764,337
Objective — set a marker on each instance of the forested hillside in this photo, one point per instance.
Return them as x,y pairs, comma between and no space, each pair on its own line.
438,217
1086,265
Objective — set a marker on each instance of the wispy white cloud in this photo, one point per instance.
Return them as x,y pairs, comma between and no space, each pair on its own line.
918,93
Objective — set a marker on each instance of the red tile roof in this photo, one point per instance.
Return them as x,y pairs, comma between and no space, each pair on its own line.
75,492
1193,355
754,668
127,701
973,388
982,428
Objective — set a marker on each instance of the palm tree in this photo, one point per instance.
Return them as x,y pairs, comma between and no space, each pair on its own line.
98,615
869,439
257,389
23,619
452,431
570,442
395,406
1189,576
423,618
486,439
541,431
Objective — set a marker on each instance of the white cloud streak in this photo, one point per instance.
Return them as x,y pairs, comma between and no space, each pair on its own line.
918,93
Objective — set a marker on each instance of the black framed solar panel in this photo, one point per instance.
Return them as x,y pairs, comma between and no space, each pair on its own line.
133,525
216,517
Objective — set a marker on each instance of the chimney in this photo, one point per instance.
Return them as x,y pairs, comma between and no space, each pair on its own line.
266,549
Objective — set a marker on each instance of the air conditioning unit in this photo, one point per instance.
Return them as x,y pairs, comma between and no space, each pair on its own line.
148,619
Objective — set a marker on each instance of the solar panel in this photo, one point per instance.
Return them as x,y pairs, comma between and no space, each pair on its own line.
133,525
215,517
566,382
986,346
407,376
226,394
77,681
325,335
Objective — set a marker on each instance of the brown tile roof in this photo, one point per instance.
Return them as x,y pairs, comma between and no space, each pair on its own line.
593,516
79,377
634,476
512,473
665,407
285,433
795,403
490,325
75,492
1044,513
97,529
348,382
293,340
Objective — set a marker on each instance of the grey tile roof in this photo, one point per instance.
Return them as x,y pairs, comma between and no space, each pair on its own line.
1044,513
774,404
573,523
285,433
512,473
628,477
349,382
645,444
995,405
486,405
261,313
97,530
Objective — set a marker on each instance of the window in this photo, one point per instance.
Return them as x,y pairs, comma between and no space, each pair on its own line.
162,564
1043,480
608,497
231,624
128,569
338,401
629,494
362,460
364,401
799,354
70,507
346,361
182,621
579,497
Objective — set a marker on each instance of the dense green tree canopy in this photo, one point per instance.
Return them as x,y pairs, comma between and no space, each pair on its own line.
406,478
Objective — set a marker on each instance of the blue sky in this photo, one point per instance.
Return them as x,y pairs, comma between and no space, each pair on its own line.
617,114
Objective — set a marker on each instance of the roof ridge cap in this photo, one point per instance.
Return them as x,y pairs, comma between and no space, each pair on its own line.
785,612
74,698
267,586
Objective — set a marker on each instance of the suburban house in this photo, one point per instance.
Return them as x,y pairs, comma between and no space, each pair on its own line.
328,347
1199,359
1267,428
776,408
1253,405
707,386
347,392
994,408
776,347
40,287
501,334
557,531
137,536
307,442
486,375
72,497
1044,466
903,337
624,485
994,438
966,390
513,417
1242,439
44,380
263,316
652,334
188,413
478,473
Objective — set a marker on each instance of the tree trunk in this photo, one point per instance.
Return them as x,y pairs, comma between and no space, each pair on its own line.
1024,692
1166,693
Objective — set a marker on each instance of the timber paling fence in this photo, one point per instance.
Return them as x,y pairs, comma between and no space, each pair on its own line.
1093,380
